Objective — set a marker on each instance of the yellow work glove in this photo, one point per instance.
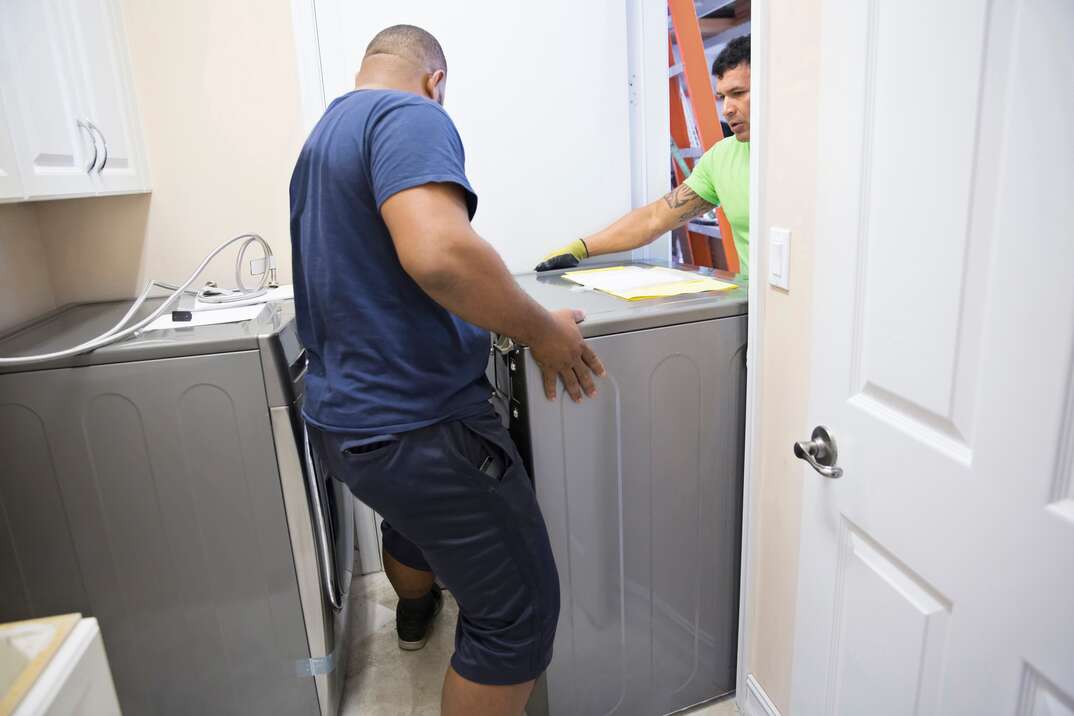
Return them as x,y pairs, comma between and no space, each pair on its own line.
566,257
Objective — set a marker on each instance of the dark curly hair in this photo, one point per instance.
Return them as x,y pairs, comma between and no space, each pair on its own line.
736,52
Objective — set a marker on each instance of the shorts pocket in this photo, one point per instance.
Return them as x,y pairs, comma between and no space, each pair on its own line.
488,455
353,448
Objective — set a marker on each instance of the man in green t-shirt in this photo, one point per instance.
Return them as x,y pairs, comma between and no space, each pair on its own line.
721,177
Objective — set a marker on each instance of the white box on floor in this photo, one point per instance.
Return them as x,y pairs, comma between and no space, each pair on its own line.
76,680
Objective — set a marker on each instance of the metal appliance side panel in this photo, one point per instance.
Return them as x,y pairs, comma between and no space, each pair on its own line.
170,495
284,363
283,359
326,628
641,489
342,515
39,566
319,633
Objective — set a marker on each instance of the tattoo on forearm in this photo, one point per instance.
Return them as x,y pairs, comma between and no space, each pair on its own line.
686,202
679,197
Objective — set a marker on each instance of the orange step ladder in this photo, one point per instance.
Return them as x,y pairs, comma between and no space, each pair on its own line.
698,88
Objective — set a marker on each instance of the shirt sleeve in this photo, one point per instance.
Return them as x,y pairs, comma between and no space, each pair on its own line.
417,144
700,179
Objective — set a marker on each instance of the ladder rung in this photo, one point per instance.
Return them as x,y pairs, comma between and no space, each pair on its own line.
713,45
717,42
706,7
705,229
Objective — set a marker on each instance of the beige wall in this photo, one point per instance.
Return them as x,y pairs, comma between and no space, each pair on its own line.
217,88
787,197
25,285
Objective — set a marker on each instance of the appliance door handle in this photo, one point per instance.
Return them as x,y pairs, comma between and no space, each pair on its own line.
320,526
85,124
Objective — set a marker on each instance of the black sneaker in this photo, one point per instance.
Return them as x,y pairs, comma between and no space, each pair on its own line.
413,624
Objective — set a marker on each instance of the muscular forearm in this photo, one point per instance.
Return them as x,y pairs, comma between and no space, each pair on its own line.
470,280
632,231
644,224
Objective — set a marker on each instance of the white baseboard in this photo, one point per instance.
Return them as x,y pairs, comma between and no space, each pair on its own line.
756,701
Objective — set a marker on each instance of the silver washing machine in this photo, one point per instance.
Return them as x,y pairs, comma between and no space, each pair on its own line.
163,486
641,489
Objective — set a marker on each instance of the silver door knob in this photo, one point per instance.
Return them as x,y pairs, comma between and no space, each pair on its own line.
820,452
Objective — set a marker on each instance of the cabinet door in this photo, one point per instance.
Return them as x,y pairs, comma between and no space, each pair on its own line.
106,93
55,154
10,181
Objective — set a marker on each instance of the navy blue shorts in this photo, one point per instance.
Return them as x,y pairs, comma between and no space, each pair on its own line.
483,536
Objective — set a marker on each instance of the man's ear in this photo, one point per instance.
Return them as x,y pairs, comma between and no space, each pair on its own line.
434,86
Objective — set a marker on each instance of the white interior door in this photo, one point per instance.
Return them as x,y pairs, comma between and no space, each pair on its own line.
561,105
55,154
937,575
106,93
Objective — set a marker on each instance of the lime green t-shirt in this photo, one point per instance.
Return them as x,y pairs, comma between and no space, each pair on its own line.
722,176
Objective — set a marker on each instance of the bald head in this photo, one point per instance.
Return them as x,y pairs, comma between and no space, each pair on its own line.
411,44
404,58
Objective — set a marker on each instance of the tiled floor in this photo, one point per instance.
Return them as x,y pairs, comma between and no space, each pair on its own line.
726,707
383,680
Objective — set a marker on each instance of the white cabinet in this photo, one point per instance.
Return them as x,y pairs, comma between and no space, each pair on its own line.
69,97
108,96
53,153
10,181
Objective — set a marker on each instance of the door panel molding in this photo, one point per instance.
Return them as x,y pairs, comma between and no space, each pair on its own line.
873,584
1040,697
1062,497
898,313
908,418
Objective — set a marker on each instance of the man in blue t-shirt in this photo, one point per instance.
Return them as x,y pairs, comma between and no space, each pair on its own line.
395,295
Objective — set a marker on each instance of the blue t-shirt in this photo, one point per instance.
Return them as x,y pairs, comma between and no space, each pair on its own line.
383,356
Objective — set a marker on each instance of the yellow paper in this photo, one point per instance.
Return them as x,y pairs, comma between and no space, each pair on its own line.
677,288
634,283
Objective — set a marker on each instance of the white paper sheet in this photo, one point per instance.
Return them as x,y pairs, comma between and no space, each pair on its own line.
230,314
636,282
631,278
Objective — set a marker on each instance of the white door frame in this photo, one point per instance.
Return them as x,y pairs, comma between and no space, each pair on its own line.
749,695
312,99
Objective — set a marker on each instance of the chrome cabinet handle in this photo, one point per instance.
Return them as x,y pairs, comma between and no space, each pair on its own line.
85,124
320,523
104,145
820,453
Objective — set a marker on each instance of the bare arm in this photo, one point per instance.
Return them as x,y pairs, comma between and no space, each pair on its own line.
439,249
644,224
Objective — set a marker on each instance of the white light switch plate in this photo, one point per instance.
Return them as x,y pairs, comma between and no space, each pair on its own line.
779,258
